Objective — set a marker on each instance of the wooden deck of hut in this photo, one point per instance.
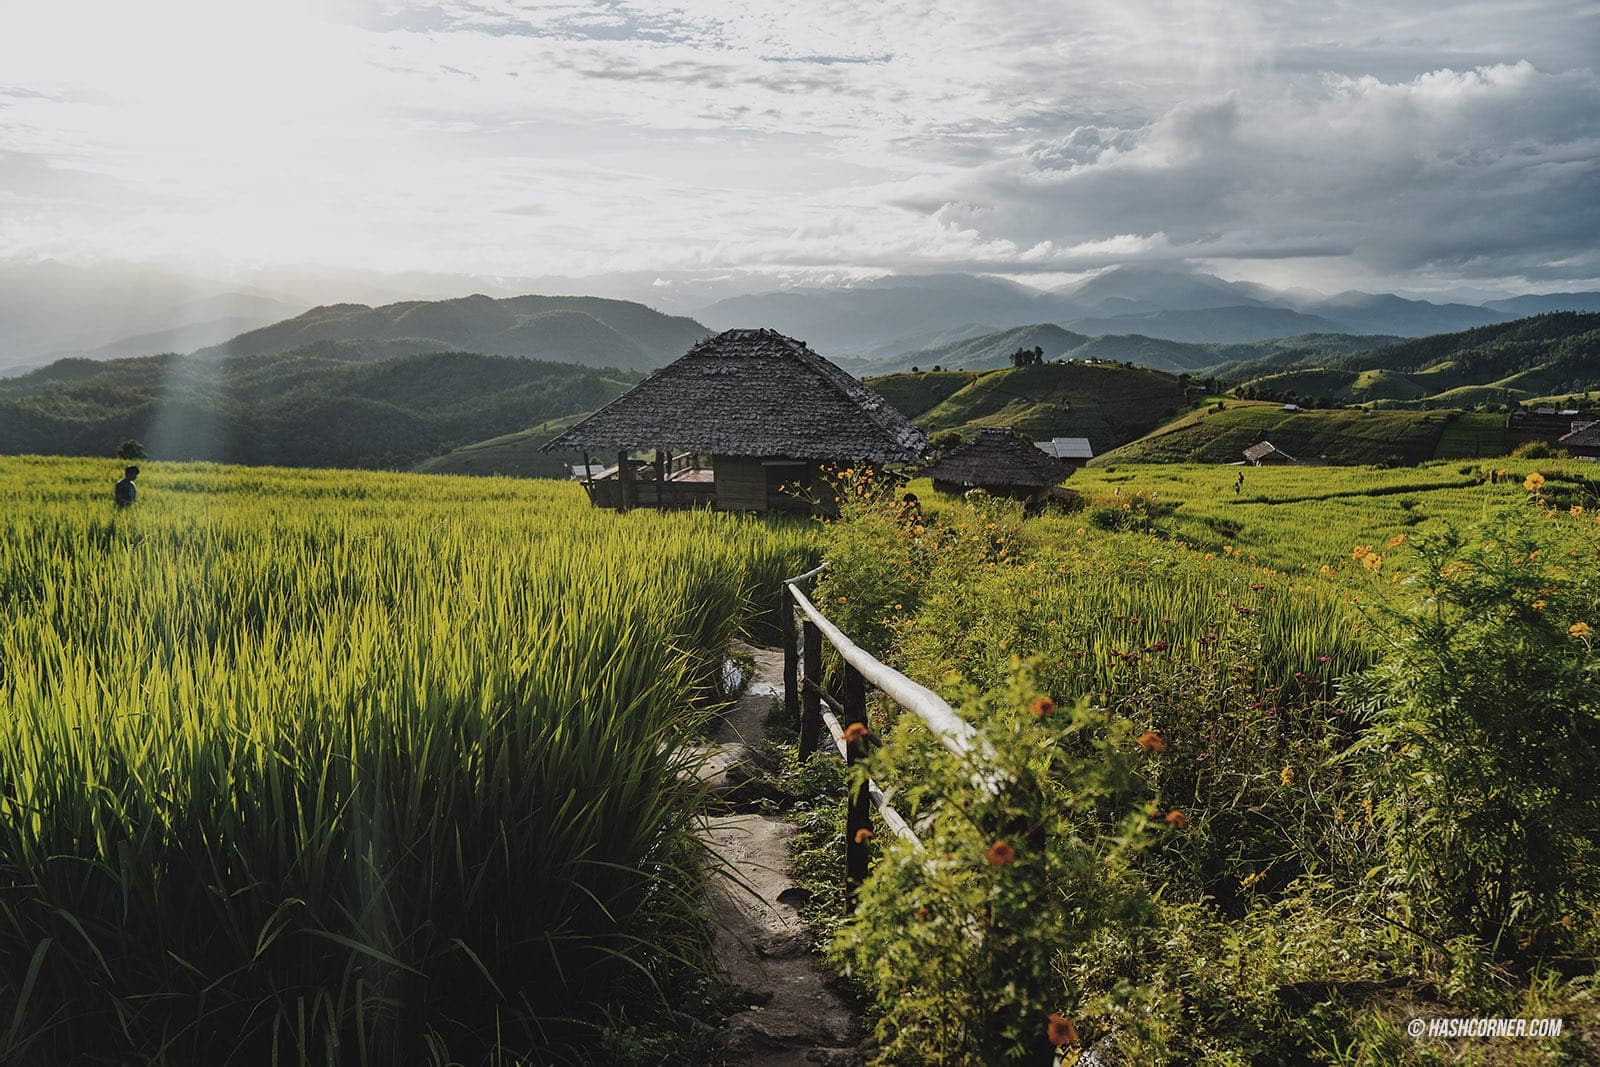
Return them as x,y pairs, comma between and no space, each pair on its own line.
744,421
1000,462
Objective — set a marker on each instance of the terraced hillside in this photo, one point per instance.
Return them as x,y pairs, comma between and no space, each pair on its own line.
1107,403
1340,436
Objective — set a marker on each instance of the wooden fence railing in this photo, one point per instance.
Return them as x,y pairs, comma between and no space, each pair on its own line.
804,696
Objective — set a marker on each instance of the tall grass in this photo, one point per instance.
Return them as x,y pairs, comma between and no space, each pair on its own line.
317,766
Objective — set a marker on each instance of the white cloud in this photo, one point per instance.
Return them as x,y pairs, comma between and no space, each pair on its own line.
531,136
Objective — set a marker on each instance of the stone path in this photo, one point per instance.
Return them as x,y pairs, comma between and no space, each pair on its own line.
792,1015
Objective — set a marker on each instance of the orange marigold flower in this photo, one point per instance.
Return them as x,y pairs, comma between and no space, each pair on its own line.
862,835
1177,819
1153,741
1360,551
856,731
1575,510
1397,540
1372,562
1042,707
1533,482
1000,853
1579,629
1060,1030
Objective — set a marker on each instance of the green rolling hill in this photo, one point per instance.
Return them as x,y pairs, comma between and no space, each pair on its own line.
1391,437
1108,403
1512,362
298,408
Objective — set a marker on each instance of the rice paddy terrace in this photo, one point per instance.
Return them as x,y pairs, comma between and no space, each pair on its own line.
335,766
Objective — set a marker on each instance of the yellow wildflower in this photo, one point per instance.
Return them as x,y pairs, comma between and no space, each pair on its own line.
1533,482
1286,776
1579,629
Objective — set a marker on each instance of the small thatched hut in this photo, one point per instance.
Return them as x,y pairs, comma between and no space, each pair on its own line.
1584,440
742,422
999,462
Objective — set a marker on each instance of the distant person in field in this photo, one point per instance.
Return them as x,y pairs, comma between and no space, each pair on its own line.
1238,484
910,510
125,492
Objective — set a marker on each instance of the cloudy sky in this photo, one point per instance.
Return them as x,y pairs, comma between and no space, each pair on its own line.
1412,145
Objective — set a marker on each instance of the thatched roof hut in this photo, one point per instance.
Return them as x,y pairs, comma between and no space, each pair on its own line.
749,413
1000,462
1583,441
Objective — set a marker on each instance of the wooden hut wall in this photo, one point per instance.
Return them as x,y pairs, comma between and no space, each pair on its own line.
741,483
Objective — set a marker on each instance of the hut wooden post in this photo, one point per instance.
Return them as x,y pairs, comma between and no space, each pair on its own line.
810,688
661,478
791,655
627,488
588,471
858,815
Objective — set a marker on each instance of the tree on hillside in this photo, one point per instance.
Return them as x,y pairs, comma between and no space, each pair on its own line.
1028,357
131,449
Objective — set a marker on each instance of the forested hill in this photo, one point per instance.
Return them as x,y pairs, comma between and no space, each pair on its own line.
1543,356
304,407
589,331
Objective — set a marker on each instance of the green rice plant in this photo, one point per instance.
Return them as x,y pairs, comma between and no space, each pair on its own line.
320,766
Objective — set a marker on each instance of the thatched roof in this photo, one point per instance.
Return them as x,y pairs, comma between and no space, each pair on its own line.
997,457
1584,437
751,393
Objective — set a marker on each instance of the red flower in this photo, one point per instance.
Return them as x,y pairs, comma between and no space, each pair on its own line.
1000,853
1177,819
1153,741
856,731
862,835
1060,1030
1042,707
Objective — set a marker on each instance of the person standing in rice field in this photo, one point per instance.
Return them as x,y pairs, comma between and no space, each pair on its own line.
1238,483
125,492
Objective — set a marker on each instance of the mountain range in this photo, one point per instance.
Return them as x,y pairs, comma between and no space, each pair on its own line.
875,323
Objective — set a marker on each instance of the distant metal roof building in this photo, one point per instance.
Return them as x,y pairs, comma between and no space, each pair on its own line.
1067,447
1267,452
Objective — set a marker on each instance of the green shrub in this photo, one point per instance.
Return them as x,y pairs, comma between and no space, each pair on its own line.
1483,748
962,942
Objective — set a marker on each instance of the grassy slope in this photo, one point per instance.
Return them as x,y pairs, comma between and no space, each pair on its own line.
1344,436
1512,361
1106,403
1300,518
514,455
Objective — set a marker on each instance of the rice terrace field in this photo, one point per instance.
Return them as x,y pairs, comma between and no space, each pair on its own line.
308,766
321,766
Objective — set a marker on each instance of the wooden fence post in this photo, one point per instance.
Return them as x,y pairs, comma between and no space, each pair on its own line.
791,655
810,698
858,816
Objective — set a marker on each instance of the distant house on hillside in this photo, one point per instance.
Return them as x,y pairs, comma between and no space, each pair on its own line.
999,462
1583,442
743,421
1266,453
1291,407
1075,449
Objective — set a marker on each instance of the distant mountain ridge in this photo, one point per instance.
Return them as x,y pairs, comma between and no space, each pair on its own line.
867,321
588,331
